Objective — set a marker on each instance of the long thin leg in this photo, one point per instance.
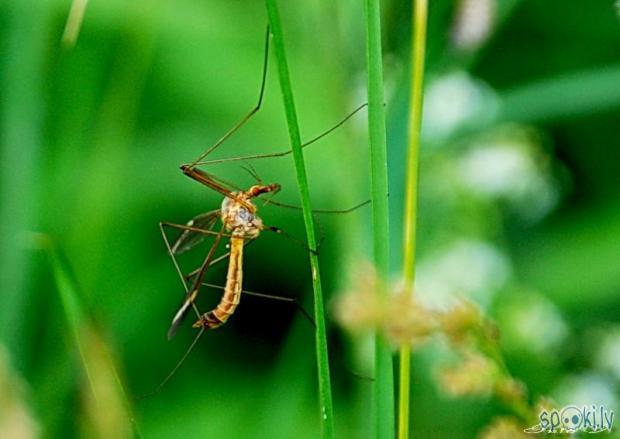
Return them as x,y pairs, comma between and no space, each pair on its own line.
195,288
193,273
292,300
217,260
192,292
315,211
245,118
176,265
208,180
176,367
291,237
337,211
192,229
283,153
269,200
187,293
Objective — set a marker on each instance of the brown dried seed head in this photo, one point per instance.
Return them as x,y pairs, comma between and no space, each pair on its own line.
460,320
476,375
359,311
408,321
503,428
510,390
362,308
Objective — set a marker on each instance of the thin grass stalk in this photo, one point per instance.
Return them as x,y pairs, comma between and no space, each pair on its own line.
74,23
25,26
383,404
325,392
110,410
418,45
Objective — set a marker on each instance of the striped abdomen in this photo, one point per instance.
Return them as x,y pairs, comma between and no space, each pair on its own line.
232,290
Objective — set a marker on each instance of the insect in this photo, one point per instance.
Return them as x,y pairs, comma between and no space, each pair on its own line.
239,217
240,224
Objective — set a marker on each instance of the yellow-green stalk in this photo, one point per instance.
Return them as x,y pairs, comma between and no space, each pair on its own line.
418,45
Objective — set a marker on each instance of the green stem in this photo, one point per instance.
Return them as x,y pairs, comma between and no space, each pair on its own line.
99,365
325,394
384,379
418,45
22,79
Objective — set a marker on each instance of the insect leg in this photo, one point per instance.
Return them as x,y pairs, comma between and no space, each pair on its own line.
195,288
283,153
245,118
291,237
292,300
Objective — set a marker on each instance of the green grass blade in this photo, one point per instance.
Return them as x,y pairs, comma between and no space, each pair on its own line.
107,405
563,96
74,22
25,27
384,378
418,46
325,393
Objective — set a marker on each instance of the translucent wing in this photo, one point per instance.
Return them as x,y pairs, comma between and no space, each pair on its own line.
195,287
191,238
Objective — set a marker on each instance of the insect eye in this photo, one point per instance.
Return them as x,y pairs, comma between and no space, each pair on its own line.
244,214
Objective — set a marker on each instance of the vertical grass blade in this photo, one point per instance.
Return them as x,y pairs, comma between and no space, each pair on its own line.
325,393
384,379
418,45
105,401
74,22
21,120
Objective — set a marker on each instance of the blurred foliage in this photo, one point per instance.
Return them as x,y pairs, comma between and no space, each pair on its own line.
519,203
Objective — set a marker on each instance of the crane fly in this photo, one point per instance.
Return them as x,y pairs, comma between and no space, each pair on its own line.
239,217
240,224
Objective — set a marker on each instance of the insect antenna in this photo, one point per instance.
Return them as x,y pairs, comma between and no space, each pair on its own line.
252,171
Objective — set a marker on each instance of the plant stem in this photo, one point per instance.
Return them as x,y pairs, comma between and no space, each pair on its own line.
384,379
418,45
25,44
325,394
113,413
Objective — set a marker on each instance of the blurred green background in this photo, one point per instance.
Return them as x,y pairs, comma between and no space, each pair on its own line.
520,204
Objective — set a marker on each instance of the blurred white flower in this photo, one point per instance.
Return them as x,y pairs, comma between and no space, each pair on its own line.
473,23
454,100
474,269
511,166
607,357
586,389
533,324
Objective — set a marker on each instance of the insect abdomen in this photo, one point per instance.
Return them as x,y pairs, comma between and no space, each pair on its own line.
232,291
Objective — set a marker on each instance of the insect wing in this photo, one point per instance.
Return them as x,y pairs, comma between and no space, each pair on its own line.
195,287
191,238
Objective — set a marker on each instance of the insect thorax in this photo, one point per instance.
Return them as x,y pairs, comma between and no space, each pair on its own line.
239,219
